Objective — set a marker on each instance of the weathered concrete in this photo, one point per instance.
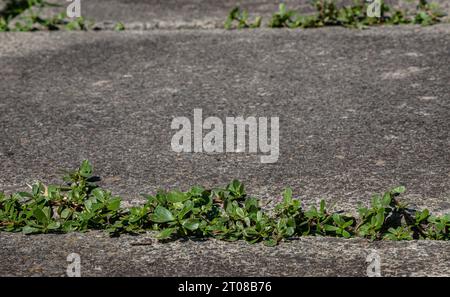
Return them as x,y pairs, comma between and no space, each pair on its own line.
360,111
22,255
191,14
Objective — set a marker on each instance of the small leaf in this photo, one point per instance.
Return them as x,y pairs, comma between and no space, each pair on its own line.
287,196
346,234
240,213
166,233
65,213
40,215
53,225
270,242
191,224
85,169
331,228
114,204
398,190
176,196
162,215
29,230
187,207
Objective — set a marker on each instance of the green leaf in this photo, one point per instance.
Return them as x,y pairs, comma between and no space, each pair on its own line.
25,194
346,234
187,207
65,213
53,226
380,219
114,204
240,213
191,224
176,196
29,230
85,169
40,215
398,190
287,196
331,228
99,194
166,233
322,206
162,215
270,242
290,231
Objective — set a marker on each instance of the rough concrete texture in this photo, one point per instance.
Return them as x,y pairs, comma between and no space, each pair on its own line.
192,14
360,111
142,256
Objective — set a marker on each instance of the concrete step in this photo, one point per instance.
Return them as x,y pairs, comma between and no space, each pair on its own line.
359,111
46,255
189,14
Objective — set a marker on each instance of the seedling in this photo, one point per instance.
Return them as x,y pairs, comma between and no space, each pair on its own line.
241,17
283,18
119,27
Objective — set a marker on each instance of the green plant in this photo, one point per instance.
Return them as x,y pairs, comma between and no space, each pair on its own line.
282,18
428,13
353,16
399,233
241,17
119,26
224,213
27,16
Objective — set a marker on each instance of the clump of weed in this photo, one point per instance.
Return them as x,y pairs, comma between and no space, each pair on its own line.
353,16
240,17
227,213
119,26
27,15
428,13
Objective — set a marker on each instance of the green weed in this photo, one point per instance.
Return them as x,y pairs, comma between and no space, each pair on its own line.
240,17
27,16
354,16
223,213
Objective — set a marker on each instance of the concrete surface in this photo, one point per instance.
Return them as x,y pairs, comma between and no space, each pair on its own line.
360,112
191,14
22,255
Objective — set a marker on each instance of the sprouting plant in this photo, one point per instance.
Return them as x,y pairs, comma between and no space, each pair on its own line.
119,26
241,17
428,13
4,24
399,233
282,18
439,228
341,226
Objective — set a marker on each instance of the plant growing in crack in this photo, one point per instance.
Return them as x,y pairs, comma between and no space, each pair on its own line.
236,15
227,213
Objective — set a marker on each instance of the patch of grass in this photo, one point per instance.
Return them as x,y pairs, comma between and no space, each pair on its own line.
354,16
223,213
